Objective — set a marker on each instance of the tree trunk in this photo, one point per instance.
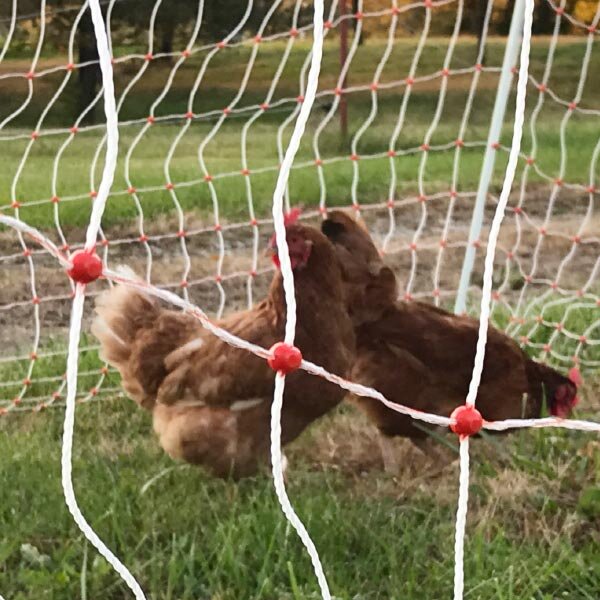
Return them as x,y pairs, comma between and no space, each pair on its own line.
478,23
166,39
89,75
355,21
543,22
473,20
504,24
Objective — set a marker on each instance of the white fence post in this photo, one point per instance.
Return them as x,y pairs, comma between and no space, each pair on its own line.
513,44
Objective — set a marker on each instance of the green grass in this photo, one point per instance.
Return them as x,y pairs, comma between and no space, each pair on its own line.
188,536
532,533
534,496
574,316
223,153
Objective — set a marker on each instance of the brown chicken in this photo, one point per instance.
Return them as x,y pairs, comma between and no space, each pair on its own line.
421,356
210,401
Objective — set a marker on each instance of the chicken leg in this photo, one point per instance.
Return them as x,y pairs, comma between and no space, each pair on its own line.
391,464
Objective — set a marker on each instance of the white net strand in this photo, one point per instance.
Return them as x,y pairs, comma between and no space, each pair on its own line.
461,519
511,168
78,302
559,180
112,130
31,74
299,100
11,30
37,236
246,172
333,108
501,207
290,296
67,449
457,154
373,111
554,422
214,131
426,145
367,392
93,390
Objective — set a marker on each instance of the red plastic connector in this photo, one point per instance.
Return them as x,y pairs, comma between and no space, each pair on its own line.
467,420
284,358
86,267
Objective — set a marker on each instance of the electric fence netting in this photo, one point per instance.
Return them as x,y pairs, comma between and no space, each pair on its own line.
134,183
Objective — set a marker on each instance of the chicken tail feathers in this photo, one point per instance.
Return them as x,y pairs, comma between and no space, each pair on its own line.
144,341
120,315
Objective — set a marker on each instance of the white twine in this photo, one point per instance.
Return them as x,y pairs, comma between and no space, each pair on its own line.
284,501
290,297
78,302
72,370
284,173
367,392
36,235
461,519
463,494
309,367
555,422
112,126
511,168
67,448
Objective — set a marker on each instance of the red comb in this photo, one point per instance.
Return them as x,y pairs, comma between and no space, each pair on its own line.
575,376
291,217
288,219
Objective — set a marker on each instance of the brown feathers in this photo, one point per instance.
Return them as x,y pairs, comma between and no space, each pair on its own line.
421,356
211,401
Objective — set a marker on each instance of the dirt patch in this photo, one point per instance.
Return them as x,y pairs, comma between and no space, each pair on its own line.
167,259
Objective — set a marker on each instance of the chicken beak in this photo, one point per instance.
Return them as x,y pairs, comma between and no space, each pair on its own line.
271,249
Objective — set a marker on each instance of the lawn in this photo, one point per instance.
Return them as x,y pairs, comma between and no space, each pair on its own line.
535,496
145,161
532,532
